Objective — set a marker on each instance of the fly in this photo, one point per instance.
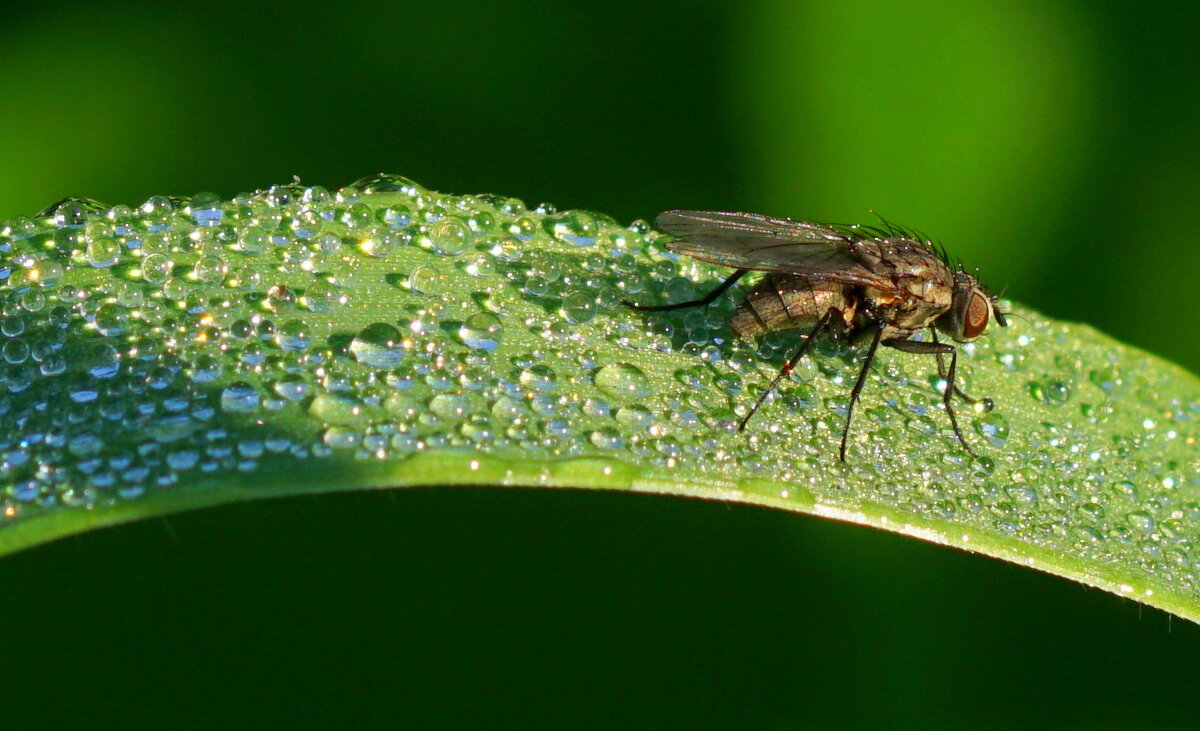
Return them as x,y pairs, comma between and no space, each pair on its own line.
848,281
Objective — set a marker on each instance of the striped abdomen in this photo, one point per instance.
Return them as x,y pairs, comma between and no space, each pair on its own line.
784,301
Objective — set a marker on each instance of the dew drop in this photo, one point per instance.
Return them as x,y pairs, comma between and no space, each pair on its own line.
578,308
1141,521
103,252
291,387
606,438
210,269
253,240
540,378
293,336
1051,393
111,319
450,237
481,331
101,361
425,280
451,407
240,398
622,381
336,408
341,438
156,268
1109,380
578,228
379,345
994,428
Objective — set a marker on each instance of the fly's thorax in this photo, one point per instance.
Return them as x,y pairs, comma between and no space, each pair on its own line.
969,311
908,306
784,301
915,286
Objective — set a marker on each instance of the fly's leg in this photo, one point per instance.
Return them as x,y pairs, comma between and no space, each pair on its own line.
942,374
822,324
858,385
921,348
705,300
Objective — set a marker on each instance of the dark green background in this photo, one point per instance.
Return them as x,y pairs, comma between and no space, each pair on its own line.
1052,144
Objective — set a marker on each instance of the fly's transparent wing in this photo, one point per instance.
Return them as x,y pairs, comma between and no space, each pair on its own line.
729,225
754,241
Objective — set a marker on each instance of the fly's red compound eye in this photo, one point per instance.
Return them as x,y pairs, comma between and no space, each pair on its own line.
977,317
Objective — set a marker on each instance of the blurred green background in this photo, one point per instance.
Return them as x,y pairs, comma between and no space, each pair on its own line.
1051,144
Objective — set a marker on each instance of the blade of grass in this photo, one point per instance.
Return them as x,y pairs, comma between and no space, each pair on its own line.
195,352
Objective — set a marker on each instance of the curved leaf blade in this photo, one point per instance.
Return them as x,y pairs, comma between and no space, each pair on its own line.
194,352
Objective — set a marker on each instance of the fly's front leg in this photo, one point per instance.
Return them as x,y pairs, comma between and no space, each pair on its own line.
705,300
942,374
938,349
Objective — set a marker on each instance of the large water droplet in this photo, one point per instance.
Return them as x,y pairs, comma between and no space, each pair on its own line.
622,381
579,308
379,345
450,237
1052,393
541,378
482,331
240,398
994,428
336,408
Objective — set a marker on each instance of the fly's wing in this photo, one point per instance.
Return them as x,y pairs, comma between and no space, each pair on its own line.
754,241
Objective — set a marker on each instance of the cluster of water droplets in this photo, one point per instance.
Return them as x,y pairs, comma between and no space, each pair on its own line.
189,338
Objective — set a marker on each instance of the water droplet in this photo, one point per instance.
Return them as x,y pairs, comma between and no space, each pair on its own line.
293,336
291,387
381,243
1051,393
450,237
205,369
425,280
1141,521
523,228
481,331
341,438
452,407
579,308
254,240
210,269
994,428
101,361
578,228
336,408
1109,380
606,438
379,345
156,268
540,378
240,398
103,252
622,381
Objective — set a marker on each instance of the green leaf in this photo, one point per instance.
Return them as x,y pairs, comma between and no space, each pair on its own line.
194,352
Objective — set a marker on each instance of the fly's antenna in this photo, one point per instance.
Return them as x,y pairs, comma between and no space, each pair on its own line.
1002,316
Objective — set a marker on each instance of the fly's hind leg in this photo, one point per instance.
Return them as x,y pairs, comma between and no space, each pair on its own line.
876,338
705,300
938,349
828,321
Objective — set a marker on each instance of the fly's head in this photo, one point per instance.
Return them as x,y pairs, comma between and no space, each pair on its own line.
970,310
